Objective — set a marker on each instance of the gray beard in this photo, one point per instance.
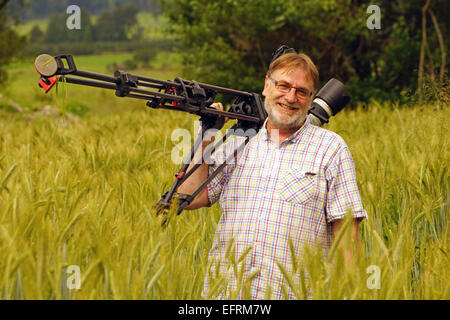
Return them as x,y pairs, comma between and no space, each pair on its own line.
293,124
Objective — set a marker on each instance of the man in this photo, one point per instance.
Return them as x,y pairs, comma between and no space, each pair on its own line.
293,182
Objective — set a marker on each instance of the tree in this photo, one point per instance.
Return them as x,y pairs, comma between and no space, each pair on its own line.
45,8
36,34
57,30
11,43
229,43
86,31
425,50
154,7
114,25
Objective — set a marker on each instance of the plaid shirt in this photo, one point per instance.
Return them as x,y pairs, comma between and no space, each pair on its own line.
271,195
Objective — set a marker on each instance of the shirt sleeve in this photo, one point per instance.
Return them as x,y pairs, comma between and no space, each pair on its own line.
343,194
217,184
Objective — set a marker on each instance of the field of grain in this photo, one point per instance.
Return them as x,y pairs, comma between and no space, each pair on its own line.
80,193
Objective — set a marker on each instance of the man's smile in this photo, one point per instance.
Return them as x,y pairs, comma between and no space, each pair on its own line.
286,107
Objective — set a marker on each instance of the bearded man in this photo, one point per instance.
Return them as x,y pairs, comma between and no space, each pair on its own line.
291,187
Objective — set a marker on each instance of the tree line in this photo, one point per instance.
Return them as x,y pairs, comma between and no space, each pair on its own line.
45,8
10,42
114,25
229,43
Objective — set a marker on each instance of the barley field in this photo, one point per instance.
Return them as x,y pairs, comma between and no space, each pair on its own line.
81,193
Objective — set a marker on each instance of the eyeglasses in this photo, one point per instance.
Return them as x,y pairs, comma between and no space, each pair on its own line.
285,87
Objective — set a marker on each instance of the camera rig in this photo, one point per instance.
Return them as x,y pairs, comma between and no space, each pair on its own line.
192,97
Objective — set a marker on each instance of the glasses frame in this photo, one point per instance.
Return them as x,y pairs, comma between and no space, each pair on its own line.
298,91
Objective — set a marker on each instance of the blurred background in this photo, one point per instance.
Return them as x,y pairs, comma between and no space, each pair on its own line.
229,43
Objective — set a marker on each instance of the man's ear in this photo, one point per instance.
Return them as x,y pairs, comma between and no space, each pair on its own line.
266,84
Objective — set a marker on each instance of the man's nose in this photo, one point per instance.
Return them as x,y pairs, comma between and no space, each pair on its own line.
291,95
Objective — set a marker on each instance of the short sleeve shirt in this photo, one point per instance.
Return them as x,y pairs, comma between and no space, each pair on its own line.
273,195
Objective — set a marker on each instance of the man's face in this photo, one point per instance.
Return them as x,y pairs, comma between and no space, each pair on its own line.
287,110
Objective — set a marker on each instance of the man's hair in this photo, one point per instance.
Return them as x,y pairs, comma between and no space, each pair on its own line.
293,60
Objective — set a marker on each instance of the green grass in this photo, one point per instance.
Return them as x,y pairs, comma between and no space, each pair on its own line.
81,194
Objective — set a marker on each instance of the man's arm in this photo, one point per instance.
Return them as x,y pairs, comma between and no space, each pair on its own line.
336,226
343,197
200,174
196,179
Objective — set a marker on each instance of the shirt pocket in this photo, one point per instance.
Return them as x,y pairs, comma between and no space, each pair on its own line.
298,186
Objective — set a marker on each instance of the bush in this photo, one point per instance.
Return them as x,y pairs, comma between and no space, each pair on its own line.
113,25
57,30
435,91
127,65
36,34
130,64
144,56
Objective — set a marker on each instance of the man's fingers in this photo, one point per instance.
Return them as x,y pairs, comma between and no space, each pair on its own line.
219,106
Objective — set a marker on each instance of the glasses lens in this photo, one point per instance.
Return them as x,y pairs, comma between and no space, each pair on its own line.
302,93
286,87
283,87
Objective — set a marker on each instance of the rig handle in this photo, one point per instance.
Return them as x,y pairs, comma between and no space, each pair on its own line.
48,66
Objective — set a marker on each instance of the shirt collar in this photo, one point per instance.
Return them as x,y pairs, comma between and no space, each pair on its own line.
293,138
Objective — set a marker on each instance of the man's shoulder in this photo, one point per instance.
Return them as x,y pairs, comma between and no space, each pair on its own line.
328,144
326,137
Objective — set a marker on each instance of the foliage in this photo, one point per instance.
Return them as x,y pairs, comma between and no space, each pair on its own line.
127,65
144,56
36,35
110,26
57,30
11,43
114,25
434,91
130,64
44,8
230,42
